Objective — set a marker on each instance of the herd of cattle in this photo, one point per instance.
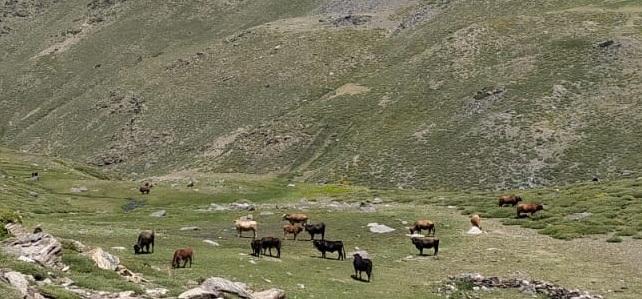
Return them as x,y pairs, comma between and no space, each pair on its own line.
299,222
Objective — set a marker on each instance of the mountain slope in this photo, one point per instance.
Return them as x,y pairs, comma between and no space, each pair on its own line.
431,94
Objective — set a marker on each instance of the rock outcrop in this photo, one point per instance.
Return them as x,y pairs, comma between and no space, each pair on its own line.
42,248
533,287
216,287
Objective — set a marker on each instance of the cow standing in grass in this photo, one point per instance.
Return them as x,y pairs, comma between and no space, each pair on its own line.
360,265
245,225
526,208
330,246
426,243
511,200
293,229
144,189
267,243
144,242
316,229
420,225
256,247
182,255
296,218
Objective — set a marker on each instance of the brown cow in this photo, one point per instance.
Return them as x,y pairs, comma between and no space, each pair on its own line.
420,225
511,200
528,208
296,218
293,229
144,189
475,220
184,255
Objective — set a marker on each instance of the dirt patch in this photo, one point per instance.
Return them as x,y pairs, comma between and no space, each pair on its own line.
349,89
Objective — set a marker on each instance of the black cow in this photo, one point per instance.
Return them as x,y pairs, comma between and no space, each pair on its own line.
314,229
422,243
362,265
330,246
256,247
145,240
269,243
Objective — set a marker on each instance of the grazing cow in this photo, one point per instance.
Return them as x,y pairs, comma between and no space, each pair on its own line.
267,243
420,225
296,218
256,247
145,240
144,189
314,229
293,229
511,200
475,220
330,246
182,255
35,176
362,265
428,243
525,208
245,225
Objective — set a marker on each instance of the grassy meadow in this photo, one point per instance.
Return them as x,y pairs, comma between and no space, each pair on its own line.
112,212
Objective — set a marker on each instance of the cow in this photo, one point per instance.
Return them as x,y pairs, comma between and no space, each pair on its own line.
420,225
182,255
37,230
362,265
35,176
256,247
525,208
145,240
296,218
144,189
475,220
245,225
422,243
314,229
267,243
293,229
511,200
330,246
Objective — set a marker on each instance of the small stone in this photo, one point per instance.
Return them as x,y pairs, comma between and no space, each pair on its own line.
213,243
186,228
161,213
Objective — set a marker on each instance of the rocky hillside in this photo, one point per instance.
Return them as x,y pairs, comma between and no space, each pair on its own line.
403,93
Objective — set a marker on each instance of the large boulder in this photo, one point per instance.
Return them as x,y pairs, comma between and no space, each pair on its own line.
199,293
380,228
40,247
103,259
224,285
18,281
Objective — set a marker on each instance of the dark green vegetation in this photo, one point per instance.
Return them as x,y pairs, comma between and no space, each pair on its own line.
494,95
98,218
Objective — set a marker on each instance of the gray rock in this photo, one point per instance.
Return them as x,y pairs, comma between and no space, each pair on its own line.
474,231
215,284
33,194
213,243
103,259
270,294
380,228
42,248
79,189
266,213
161,213
157,292
216,207
18,281
199,293
242,206
190,228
